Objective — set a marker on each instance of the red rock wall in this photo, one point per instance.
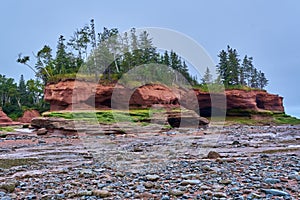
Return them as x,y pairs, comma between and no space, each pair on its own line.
85,95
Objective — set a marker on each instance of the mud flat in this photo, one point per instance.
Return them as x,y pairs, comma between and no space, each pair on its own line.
235,162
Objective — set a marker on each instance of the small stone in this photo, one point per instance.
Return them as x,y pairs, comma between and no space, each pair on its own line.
41,131
255,196
88,156
140,188
272,180
190,182
47,197
205,187
225,181
119,174
208,193
84,193
219,195
8,186
176,192
275,192
2,194
101,193
165,198
30,197
213,155
6,198
152,177
188,176
148,184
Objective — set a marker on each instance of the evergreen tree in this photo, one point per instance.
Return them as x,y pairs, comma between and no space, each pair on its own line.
253,78
222,67
233,67
61,60
262,80
22,94
207,77
166,59
148,51
233,72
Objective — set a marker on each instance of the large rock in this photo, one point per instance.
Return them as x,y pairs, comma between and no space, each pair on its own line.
28,116
186,118
5,120
53,123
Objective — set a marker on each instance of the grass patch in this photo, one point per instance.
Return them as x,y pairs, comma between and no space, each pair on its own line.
242,120
214,87
286,119
7,129
264,118
8,163
107,116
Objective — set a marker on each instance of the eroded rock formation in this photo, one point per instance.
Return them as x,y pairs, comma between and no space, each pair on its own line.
68,95
28,116
5,120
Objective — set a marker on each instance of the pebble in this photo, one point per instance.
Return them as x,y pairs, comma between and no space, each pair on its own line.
219,195
176,192
275,192
213,155
272,180
152,177
8,186
190,182
101,193
165,198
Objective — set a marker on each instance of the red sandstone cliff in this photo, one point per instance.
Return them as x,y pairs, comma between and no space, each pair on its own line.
67,95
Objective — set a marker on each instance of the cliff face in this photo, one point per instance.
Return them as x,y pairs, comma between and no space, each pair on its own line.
68,95
84,95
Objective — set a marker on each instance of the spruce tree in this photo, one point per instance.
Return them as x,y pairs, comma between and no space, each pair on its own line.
207,77
222,67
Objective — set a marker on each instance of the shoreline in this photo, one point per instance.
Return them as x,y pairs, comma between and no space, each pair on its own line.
256,161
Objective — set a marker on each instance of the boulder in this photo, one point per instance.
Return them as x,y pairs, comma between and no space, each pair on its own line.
186,119
52,123
41,131
5,120
28,116
213,155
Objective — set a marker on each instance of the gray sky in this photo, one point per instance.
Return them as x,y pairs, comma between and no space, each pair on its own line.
268,30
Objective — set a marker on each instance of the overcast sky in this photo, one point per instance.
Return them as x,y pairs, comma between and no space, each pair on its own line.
268,30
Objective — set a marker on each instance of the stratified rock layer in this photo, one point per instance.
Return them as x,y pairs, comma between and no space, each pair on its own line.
82,95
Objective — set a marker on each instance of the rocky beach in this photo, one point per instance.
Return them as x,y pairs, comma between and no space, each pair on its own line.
235,162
